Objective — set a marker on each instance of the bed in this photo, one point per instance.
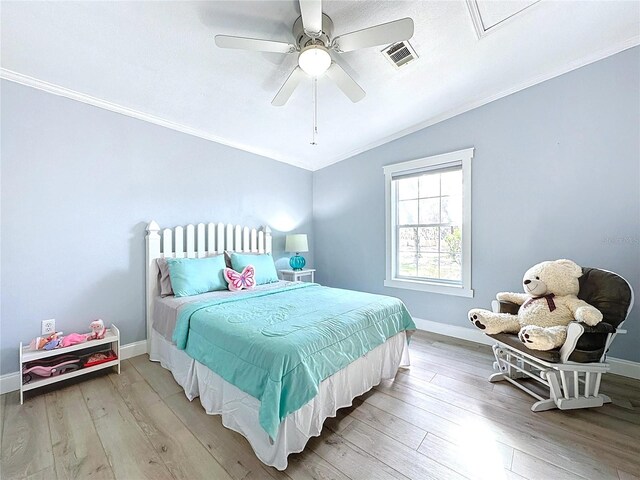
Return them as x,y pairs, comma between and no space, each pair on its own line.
274,361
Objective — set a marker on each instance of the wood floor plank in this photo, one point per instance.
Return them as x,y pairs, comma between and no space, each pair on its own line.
77,450
26,442
172,441
532,467
405,460
233,454
308,465
478,460
129,452
627,476
437,364
160,379
462,381
351,460
48,473
396,428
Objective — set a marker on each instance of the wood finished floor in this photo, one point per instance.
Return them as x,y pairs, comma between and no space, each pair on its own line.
440,419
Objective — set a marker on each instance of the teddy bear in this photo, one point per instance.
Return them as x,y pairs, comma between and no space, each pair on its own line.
548,306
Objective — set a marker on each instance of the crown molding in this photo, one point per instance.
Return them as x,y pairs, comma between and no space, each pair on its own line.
530,82
38,84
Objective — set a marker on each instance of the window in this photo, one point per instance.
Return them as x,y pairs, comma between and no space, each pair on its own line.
429,224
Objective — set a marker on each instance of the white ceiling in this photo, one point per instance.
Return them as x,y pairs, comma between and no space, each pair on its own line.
158,61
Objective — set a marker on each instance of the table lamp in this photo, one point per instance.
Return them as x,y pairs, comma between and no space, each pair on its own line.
295,244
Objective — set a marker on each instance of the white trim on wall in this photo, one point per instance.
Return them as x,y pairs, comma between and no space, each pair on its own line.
11,381
129,112
459,158
619,366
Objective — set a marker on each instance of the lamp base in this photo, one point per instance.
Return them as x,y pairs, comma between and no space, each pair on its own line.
297,262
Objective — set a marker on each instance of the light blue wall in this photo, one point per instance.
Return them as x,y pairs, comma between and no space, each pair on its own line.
556,174
79,185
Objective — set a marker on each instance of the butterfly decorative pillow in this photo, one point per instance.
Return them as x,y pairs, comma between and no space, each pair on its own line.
238,281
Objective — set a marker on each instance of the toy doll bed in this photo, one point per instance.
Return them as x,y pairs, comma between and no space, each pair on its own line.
336,344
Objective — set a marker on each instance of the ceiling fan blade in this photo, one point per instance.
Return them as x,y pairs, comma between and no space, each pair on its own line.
311,11
383,34
288,87
345,83
243,43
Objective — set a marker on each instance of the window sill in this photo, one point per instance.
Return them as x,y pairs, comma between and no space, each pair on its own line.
429,287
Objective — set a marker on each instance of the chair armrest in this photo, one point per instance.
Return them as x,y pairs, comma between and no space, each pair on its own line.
574,332
601,327
505,307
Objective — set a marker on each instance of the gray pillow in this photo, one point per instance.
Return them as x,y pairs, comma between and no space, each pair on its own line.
165,281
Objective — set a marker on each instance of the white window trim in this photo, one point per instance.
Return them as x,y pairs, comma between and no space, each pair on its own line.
391,280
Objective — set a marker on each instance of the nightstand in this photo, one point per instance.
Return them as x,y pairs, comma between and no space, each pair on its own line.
298,275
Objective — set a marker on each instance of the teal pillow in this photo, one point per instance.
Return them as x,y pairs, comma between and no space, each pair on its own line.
265,268
191,276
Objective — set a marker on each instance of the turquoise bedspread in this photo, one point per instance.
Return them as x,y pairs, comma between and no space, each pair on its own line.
278,345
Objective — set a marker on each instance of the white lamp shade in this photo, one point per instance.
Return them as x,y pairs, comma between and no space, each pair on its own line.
297,243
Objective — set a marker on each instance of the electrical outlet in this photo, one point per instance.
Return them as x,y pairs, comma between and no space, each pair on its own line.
48,326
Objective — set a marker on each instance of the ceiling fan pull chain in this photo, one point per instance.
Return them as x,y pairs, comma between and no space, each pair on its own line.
314,86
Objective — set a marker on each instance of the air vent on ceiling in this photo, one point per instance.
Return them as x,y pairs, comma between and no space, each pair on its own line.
400,54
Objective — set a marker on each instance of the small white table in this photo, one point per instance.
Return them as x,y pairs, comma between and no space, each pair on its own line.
297,275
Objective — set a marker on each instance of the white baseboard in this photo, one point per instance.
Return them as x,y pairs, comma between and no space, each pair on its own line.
463,333
623,367
619,366
133,349
11,381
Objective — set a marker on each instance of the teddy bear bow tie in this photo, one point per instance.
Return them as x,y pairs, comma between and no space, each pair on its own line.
549,298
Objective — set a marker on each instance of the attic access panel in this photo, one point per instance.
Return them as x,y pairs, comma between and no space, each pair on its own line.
488,15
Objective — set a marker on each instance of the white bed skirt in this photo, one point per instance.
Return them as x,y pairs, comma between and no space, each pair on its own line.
240,411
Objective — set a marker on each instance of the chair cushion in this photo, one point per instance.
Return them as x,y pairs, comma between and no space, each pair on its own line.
608,292
512,340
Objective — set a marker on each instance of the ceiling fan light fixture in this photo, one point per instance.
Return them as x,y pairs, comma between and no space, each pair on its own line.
314,60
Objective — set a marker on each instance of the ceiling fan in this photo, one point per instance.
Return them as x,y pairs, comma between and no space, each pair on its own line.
314,42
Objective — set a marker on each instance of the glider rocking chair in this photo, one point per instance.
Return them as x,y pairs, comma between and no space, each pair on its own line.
571,373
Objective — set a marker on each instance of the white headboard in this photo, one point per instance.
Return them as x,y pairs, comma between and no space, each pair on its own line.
201,240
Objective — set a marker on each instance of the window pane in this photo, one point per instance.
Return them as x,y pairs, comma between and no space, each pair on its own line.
430,211
451,240
407,239
408,212
407,264
450,267
428,265
430,185
407,188
452,183
428,238
452,210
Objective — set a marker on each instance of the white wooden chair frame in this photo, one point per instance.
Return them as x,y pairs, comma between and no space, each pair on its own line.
196,242
571,384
